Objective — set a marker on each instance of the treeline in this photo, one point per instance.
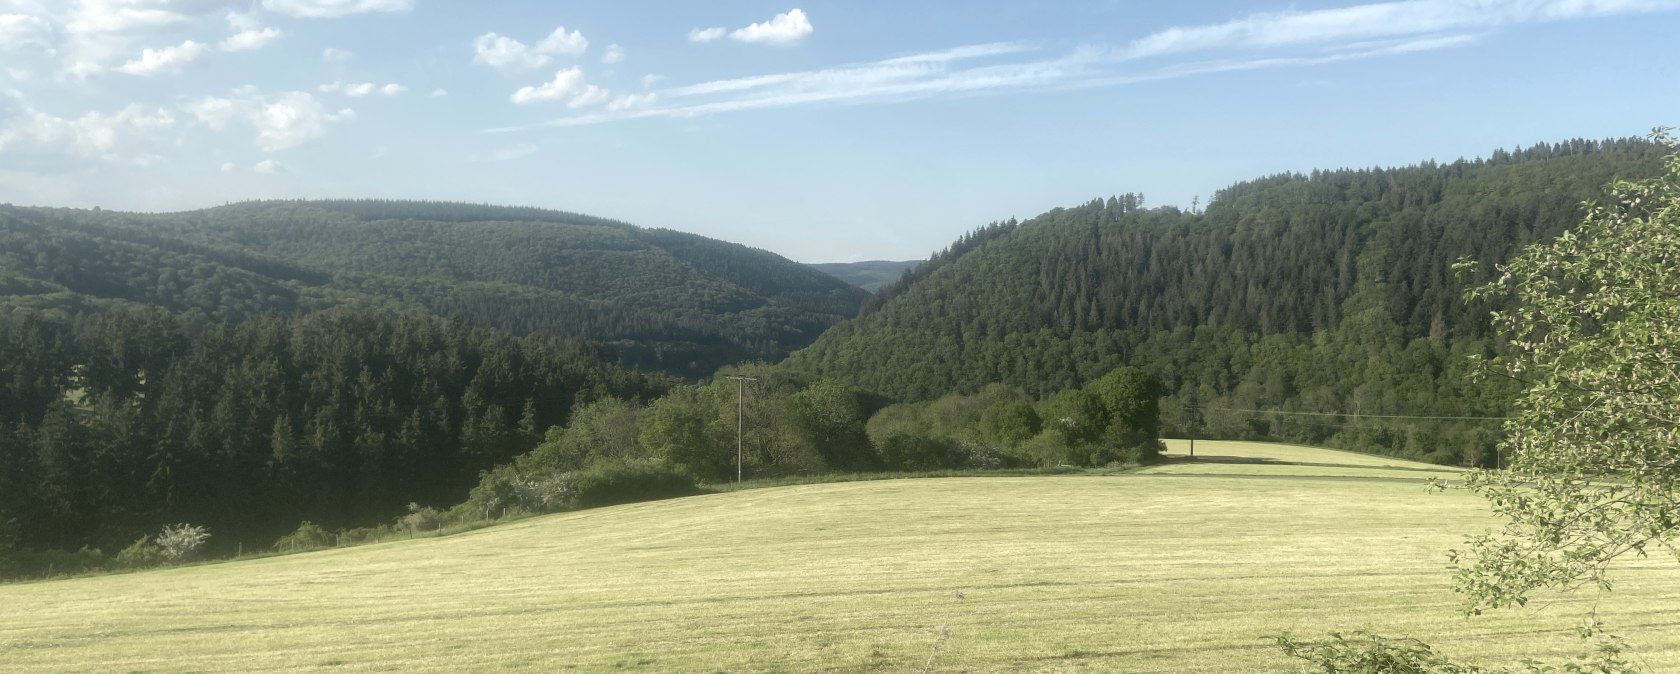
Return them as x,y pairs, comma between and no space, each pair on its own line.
118,420
664,300
1331,293
615,450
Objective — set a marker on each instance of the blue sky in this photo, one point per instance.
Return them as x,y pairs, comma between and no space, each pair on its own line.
823,131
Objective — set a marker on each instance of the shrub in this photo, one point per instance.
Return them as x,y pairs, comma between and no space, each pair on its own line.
142,554
628,482
309,536
500,490
965,455
907,452
363,535
421,518
180,542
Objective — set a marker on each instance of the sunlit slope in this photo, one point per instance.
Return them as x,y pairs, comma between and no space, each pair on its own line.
1225,457
1129,573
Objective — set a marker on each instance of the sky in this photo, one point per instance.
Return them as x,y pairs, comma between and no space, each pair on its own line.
820,130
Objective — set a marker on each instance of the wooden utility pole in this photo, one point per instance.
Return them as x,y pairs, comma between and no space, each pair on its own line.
740,418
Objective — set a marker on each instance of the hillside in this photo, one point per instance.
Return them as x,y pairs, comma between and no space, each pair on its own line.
1114,573
870,275
659,299
1327,293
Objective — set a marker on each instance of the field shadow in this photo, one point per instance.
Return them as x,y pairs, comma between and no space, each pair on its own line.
1262,461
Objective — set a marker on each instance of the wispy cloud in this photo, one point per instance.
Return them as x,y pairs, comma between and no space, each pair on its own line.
1375,21
707,34
332,9
1290,39
357,90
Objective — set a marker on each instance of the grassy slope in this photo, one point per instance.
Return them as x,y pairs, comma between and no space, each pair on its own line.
1136,573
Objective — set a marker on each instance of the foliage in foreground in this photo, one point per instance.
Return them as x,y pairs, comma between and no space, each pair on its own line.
1595,443
1362,652
1594,440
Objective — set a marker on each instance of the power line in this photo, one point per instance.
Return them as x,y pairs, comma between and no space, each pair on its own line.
740,417
1356,415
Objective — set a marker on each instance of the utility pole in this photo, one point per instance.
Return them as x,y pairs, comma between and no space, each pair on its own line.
740,418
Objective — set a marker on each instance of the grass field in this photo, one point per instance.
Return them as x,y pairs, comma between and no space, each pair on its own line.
1166,570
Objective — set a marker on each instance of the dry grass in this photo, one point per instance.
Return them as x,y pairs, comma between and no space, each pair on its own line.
1127,573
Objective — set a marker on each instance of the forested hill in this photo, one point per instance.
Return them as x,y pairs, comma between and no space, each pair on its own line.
1326,293
660,299
870,275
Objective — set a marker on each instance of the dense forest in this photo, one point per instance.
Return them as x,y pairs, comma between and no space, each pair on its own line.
659,299
1327,301
118,419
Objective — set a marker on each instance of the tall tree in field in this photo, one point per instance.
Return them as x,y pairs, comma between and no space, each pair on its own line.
1594,440
1594,448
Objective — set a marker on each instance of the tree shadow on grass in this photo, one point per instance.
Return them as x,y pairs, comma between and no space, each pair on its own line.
1262,461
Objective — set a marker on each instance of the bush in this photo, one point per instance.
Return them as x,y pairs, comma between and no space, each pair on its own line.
363,535
180,542
421,518
142,554
628,482
309,536
505,489
907,452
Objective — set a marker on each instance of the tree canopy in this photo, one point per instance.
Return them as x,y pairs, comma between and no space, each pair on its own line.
1594,442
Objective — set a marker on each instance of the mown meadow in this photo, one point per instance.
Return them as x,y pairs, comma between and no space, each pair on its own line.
1183,567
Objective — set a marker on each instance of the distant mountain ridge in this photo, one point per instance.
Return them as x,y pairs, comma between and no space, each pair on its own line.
661,299
870,275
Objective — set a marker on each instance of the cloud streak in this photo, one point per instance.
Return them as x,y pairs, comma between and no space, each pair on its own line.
1292,39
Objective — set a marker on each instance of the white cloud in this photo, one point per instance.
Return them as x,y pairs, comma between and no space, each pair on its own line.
336,55
95,17
268,167
279,122
167,59
783,29
508,54
93,36
568,86
561,42
357,90
614,54
133,136
242,21
19,30
788,28
248,40
651,79
707,34
213,112
505,53
332,9
229,167
439,93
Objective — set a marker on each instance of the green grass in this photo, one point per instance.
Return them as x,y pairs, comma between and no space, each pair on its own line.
1225,457
1137,572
